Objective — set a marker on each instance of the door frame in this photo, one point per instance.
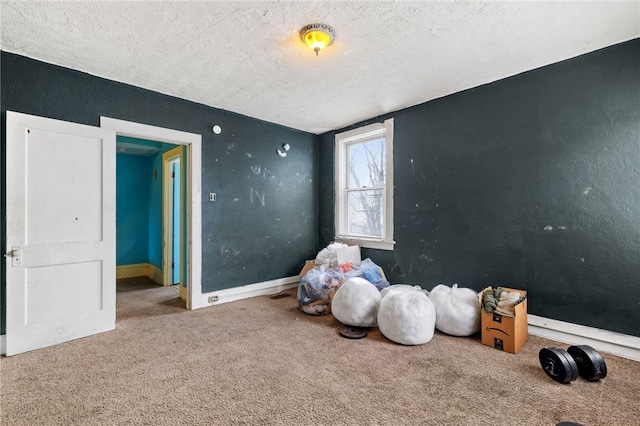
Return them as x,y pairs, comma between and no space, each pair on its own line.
168,217
193,144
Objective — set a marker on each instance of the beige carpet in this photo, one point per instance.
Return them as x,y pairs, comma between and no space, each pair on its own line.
261,362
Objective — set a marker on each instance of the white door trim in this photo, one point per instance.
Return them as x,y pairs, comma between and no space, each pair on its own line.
193,143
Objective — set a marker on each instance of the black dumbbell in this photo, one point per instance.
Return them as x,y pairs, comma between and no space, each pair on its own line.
558,364
590,363
565,366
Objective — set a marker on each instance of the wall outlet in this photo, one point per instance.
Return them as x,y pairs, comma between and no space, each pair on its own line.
213,299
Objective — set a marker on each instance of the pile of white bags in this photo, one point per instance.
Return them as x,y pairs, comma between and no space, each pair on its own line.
406,314
360,296
319,284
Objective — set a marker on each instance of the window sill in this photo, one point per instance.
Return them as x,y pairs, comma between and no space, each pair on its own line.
373,244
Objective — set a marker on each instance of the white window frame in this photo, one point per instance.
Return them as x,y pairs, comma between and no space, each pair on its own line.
342,142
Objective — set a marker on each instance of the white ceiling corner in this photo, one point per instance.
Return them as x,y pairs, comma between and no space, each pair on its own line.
246,56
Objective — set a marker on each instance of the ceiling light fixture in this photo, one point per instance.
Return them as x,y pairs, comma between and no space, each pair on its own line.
317,36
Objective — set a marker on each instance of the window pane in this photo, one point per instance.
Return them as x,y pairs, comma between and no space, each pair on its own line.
365,213
366,164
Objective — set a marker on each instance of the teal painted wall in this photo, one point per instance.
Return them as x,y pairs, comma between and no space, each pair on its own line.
531,182
133,185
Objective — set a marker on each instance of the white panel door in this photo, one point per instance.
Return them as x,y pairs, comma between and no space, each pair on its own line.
60,254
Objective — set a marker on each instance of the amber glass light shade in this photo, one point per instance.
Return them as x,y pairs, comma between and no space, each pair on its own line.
317,36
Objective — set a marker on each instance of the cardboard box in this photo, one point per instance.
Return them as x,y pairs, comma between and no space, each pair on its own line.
309,265
505,332
350,253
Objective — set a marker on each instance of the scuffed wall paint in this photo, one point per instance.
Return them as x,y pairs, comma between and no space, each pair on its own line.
243,241
531,182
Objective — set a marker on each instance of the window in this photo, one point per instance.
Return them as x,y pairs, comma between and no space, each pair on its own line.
364,186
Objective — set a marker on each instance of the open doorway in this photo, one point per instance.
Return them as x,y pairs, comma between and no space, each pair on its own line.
191,145
149,226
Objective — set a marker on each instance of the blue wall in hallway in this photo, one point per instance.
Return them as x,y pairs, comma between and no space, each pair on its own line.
133,185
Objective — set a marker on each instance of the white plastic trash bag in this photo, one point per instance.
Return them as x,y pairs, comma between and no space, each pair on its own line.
356,303
457,310
406,315
401,287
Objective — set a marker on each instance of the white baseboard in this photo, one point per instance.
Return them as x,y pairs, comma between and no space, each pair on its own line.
574,334
139,270
250,290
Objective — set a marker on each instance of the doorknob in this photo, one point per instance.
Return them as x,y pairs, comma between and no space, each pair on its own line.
14,254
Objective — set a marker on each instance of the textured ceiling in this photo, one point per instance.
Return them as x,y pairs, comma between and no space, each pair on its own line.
246,57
